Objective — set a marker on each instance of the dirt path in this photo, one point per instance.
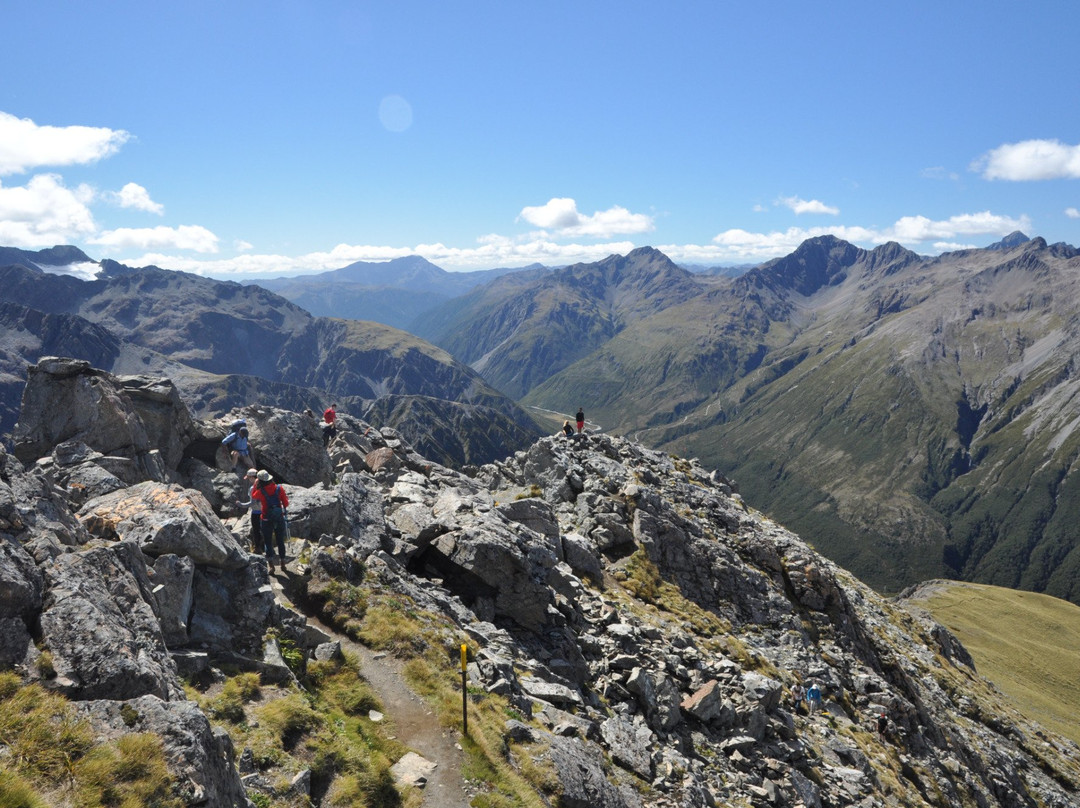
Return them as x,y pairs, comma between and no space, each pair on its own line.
412,721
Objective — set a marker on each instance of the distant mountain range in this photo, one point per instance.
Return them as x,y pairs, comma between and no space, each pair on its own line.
913,416
404,292
227,345
395,292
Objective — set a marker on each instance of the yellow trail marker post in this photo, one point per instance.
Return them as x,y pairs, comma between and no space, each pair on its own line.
464,690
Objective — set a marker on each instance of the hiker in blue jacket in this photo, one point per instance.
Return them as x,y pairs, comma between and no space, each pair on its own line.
813,698
239,450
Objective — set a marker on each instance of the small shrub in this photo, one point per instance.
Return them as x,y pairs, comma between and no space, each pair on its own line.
44,665
293,656
9,684
129,715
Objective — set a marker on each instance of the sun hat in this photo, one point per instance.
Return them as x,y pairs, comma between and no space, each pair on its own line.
264,475
252,473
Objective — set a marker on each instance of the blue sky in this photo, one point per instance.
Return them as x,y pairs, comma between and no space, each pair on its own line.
252,139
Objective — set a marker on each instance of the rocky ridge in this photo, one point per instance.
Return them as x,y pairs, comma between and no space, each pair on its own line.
642,623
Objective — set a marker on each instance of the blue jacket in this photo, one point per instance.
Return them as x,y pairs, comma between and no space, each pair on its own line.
237,442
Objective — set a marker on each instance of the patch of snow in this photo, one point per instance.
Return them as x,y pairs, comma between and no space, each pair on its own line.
84,270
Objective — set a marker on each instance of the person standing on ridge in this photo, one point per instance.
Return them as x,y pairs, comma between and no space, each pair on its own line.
328,428
273,501
580,420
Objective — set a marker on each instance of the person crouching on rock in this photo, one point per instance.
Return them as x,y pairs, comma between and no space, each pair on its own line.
567,429
239,450
274,501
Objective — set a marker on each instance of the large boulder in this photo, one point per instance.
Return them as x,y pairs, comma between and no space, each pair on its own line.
100,628
351,509
166,420
232,608
288,445
164,519
67,399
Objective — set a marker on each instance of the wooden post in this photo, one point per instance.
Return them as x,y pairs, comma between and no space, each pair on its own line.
464,690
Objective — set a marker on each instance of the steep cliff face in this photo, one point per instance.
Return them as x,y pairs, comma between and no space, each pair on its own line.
638,624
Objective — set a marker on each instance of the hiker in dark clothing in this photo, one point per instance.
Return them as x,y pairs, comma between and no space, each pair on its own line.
256,511
580,420
882,725
273,501
567,429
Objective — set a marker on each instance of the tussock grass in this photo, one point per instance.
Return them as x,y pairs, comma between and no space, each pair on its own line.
129,773
53,757
16,792
238,691
323,727
1027,644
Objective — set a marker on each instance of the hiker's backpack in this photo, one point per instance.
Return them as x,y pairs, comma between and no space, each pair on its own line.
237,424
273,502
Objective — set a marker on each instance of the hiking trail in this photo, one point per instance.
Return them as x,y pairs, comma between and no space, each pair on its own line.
412,722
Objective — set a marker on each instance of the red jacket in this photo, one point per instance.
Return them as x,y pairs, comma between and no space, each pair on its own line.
329,415
270,489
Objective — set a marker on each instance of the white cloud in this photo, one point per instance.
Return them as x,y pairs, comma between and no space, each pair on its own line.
947,246
491,251
243,246
914,232
135,196
919,228
562,216
1072,213
184,237
24,145
801,206
1030,160
44,212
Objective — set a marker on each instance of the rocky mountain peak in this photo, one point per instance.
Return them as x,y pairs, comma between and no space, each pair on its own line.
1014,239
645,626
816,263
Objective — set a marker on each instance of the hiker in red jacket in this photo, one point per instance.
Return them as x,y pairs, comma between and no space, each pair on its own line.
328,428
274,501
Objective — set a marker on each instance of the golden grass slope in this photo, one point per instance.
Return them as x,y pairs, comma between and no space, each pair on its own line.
1026,644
